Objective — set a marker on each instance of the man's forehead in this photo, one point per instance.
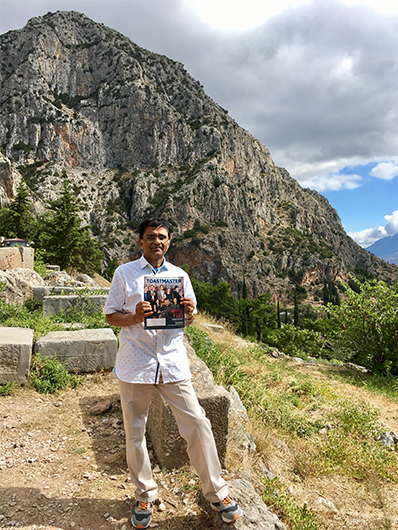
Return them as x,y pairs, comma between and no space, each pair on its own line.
156,230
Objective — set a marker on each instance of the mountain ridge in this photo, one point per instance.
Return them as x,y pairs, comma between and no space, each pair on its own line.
137,136
386,248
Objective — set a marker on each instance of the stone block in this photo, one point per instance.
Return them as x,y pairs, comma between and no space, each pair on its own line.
15,354
10,258
53,304
52,268
82,351
46,290
162,428
27,257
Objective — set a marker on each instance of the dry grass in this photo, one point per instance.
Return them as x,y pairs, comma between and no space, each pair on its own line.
342,464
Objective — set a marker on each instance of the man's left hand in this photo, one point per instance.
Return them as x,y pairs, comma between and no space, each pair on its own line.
189,307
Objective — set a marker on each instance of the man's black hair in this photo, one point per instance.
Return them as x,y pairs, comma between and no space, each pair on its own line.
155,223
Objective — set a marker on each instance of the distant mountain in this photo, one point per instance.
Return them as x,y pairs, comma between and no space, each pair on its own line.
386,249
137,136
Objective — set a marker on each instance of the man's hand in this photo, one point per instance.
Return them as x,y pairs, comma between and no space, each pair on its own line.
189,308
142,310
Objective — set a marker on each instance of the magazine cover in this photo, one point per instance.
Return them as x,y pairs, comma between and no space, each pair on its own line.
164,295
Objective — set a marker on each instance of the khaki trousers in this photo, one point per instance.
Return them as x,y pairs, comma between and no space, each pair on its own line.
193,425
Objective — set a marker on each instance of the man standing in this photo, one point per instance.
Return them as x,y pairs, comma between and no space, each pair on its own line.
150,357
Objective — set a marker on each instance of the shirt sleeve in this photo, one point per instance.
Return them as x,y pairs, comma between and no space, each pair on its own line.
116,296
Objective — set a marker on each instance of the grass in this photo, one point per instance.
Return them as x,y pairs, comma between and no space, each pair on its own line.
280,502
49,376
382,385
8,389
26,316
326,432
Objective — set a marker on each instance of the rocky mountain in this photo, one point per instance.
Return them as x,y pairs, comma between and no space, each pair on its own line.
386,248
137,136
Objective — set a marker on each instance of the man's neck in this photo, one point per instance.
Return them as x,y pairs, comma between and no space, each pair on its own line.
155,264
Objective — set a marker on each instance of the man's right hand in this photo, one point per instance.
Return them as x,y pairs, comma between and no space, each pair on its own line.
143,309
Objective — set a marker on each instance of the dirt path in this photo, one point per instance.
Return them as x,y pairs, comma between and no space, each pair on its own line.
61,467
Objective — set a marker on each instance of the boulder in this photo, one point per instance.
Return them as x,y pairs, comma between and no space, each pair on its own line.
170,448
19,284
86,279
63,279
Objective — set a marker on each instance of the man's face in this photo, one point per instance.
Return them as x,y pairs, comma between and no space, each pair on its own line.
155,243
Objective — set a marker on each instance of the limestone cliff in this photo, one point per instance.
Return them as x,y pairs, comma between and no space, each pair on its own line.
137,136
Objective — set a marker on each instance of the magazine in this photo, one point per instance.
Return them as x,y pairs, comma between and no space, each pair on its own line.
164,295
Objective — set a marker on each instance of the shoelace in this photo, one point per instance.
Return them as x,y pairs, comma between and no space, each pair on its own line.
227,500
143,506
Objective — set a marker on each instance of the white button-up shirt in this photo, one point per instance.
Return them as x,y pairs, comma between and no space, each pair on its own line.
144,354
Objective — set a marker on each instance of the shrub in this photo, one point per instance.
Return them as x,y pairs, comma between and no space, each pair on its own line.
367,323
297,342
49,376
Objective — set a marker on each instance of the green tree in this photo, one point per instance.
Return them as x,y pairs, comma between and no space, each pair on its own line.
109,270
64,241
296,315
245,313
367,324
261,315
217,300
278,315
18,220
330,293
297,342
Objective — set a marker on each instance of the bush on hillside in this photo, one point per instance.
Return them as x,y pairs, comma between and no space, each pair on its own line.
367,323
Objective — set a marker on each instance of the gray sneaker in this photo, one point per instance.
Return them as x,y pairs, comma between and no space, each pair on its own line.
142,515
229,510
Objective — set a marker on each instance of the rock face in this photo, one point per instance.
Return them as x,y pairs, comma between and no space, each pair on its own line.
137,136
18,285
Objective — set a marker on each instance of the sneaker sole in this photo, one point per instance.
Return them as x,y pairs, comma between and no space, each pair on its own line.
236,516
140,525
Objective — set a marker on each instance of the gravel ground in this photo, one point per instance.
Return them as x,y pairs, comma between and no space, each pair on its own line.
63,467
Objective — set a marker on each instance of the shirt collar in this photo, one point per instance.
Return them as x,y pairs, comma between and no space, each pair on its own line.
144,263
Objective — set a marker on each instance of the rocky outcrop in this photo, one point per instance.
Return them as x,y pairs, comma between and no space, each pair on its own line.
137,136
18,285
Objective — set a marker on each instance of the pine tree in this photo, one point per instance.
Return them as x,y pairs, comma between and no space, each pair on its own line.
296,310
278,316
109,270
18,220
330,293
64,241
245,315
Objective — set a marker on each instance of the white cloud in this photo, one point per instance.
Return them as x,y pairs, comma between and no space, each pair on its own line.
239,15
385,170
332,182
392,223
371,235
242,15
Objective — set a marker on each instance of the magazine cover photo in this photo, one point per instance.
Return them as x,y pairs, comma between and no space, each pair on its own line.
164,295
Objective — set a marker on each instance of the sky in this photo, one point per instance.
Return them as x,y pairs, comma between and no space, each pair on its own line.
315,81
